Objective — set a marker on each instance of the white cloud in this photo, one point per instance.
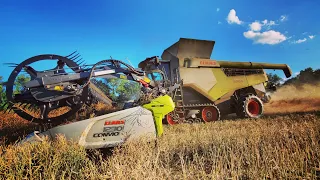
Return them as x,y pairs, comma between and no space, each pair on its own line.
260,32
265,23
271,23
283,18
218,9
296,73
303,40
255,26
311,36
233,18
269,37
300,41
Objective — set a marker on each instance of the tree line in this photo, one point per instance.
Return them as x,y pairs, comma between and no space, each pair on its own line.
307,75
17,88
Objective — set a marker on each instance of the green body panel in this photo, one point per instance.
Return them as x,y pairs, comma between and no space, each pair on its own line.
227,84
217,83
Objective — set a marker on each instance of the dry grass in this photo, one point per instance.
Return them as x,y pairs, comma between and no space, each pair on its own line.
273,147
12,127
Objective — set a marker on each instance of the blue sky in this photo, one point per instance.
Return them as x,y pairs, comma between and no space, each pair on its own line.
282,31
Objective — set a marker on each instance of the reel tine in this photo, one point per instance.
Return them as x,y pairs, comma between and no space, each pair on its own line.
32,106
23,105
76,57
82,61
9,108
4,83
11,64
27,105
18,104
73,57
71,54
78,60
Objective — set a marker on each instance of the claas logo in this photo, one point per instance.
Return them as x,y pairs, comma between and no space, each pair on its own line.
116,122
208,63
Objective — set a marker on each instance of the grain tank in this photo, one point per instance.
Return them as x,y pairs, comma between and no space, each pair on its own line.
210,88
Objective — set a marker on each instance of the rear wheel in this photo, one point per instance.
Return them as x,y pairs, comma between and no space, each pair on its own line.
210,114
250,106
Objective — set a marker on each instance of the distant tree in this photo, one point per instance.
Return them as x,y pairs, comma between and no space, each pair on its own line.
1,85
21,80
123,90
317,73
2,93
274,79
307,75
119,90
18,87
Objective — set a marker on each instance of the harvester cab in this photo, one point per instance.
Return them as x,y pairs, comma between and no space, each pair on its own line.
209,89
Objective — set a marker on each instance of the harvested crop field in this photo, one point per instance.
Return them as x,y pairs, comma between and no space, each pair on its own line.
273,147
284,144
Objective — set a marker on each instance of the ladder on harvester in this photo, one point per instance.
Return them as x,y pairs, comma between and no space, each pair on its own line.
178,99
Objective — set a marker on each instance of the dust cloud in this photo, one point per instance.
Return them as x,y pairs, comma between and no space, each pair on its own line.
294,98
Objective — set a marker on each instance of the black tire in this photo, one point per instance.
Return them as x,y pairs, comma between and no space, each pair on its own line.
250,106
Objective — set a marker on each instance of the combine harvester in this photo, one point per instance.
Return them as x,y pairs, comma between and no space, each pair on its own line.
209,88
184,86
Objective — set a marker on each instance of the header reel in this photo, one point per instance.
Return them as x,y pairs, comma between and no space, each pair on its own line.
35,103
46,92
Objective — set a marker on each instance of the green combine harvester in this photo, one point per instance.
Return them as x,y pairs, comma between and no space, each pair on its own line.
184,86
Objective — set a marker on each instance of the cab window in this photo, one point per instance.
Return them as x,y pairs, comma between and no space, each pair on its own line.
156,76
